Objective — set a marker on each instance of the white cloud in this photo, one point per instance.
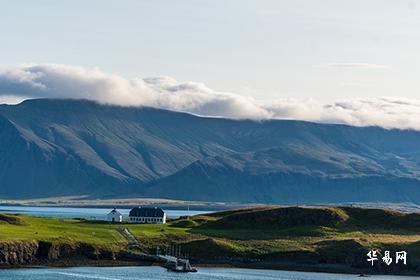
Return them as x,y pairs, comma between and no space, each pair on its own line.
64,81
5,99
390,112
356,65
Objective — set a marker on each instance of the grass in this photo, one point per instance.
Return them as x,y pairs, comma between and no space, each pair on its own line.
155,231
274,230
54,230
245,233
11,219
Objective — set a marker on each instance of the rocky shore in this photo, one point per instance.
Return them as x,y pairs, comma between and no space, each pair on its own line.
19,254
34,253
317,239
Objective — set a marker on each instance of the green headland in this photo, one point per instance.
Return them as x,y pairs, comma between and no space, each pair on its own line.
307,238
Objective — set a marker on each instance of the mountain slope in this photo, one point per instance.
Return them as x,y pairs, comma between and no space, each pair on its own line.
284,176
67,147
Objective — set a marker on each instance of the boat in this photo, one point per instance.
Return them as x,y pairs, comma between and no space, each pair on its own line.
180,265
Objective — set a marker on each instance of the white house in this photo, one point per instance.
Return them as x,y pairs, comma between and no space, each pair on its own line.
147,215
114,216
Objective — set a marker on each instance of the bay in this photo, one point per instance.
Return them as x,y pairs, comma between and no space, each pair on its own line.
83,212
158,273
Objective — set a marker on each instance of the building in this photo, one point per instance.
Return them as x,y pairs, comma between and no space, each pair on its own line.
147,215
114,216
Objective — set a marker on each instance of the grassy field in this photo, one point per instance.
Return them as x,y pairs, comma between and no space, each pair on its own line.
56,230
328,234
258,233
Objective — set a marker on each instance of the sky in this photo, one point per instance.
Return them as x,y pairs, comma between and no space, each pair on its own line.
268,59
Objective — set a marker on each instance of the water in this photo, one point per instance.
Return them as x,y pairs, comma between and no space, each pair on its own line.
157,273
79,212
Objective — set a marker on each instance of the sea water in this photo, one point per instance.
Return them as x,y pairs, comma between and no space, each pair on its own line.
83,212
158,273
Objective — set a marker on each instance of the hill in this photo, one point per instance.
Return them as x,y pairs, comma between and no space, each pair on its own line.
334,239
308,238
280,218
10,219
77,147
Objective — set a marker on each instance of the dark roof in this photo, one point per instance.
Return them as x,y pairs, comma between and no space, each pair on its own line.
146,212
115,211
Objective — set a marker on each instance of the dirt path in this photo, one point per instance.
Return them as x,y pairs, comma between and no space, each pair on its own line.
133,242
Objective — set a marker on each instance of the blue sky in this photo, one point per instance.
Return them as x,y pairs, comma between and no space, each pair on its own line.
353,62
325,50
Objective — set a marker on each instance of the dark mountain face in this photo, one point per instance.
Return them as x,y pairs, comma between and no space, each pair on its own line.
76,147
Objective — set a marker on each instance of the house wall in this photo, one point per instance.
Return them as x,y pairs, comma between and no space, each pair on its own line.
148,220
117,218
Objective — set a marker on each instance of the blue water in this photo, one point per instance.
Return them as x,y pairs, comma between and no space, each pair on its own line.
79,212
157,273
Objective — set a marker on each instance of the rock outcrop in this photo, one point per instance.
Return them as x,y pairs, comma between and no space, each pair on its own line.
20,253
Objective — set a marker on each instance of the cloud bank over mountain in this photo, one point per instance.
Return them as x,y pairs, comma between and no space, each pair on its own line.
66,81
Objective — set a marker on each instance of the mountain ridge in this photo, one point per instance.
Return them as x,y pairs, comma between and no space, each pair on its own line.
69,147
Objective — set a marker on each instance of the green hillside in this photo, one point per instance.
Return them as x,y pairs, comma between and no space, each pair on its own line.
28,228
301,235
316,236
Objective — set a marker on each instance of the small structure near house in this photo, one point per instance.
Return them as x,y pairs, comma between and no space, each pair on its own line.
147,215
114,216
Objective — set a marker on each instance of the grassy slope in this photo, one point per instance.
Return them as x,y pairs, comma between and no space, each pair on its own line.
51,229
254,233
262,232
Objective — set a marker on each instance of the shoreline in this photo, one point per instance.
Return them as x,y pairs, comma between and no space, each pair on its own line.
176,207
277,266
78,243
123,203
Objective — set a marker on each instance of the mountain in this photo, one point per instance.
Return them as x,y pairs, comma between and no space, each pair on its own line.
77,147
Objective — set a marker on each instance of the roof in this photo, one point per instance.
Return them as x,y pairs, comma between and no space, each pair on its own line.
114,211
146,212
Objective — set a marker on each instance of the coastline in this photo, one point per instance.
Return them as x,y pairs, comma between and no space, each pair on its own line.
123,203
280,266
80,243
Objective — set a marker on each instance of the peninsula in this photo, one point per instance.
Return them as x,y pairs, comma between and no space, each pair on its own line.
331,239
